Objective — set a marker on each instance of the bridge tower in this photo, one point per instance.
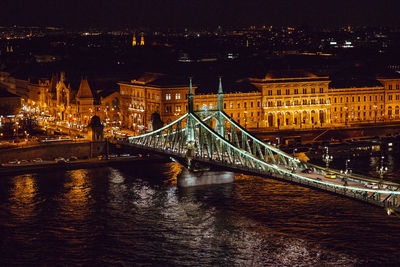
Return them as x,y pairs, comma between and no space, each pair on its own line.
219,127
97,137
190,142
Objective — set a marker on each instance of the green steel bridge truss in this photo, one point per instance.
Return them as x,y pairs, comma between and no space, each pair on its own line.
213,137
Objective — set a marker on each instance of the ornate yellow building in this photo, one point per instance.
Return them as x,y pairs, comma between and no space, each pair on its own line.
298,100
275,101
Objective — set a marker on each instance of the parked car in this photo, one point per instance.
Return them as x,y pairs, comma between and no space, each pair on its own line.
60,160
13,161
37,160
73,158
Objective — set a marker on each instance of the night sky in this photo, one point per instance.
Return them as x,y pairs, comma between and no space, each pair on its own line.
182,13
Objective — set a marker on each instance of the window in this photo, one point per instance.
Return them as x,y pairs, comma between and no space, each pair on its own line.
238,105
224,105
279,103
397,97
365,98
304,101
278,92
321,90
167,96
231,105
245,104
258,104
334,100
312,90
269,92
288,91
390,87
296,91
178,108
251,104
168,109
390,97
177,96
397,87
304,90
352,99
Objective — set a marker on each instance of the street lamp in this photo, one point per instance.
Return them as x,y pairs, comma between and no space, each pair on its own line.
382,169
326,157
347,166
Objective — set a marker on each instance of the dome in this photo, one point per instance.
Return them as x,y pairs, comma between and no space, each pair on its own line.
95,121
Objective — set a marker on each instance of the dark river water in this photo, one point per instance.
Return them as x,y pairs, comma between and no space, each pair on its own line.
135,215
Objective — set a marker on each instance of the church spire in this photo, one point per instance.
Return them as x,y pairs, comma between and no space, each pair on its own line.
142,39
134,40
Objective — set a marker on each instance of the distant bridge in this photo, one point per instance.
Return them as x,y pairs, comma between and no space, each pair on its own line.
213,138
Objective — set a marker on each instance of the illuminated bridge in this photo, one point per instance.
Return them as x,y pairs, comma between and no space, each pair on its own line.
212,138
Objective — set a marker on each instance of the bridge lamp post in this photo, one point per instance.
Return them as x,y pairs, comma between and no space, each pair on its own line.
294,159
327,158
347,166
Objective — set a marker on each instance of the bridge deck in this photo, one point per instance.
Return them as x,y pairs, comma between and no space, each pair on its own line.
367,189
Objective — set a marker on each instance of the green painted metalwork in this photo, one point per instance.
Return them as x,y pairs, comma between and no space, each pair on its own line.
215,138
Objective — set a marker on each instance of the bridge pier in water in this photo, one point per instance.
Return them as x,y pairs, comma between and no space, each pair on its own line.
188,178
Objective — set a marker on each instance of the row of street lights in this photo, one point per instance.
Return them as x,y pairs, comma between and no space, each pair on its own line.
381,170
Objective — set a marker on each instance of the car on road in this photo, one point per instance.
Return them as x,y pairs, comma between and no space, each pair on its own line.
331,175
306,171
37,160
13,161
60,160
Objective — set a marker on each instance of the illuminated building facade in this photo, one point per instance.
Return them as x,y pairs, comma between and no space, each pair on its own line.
276,101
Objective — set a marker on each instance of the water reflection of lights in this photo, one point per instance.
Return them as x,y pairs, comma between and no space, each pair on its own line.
77,193
23,197
174,169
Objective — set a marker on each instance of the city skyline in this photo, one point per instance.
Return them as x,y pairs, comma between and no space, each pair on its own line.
174,13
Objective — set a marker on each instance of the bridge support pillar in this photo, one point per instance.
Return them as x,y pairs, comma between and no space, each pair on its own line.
189,178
